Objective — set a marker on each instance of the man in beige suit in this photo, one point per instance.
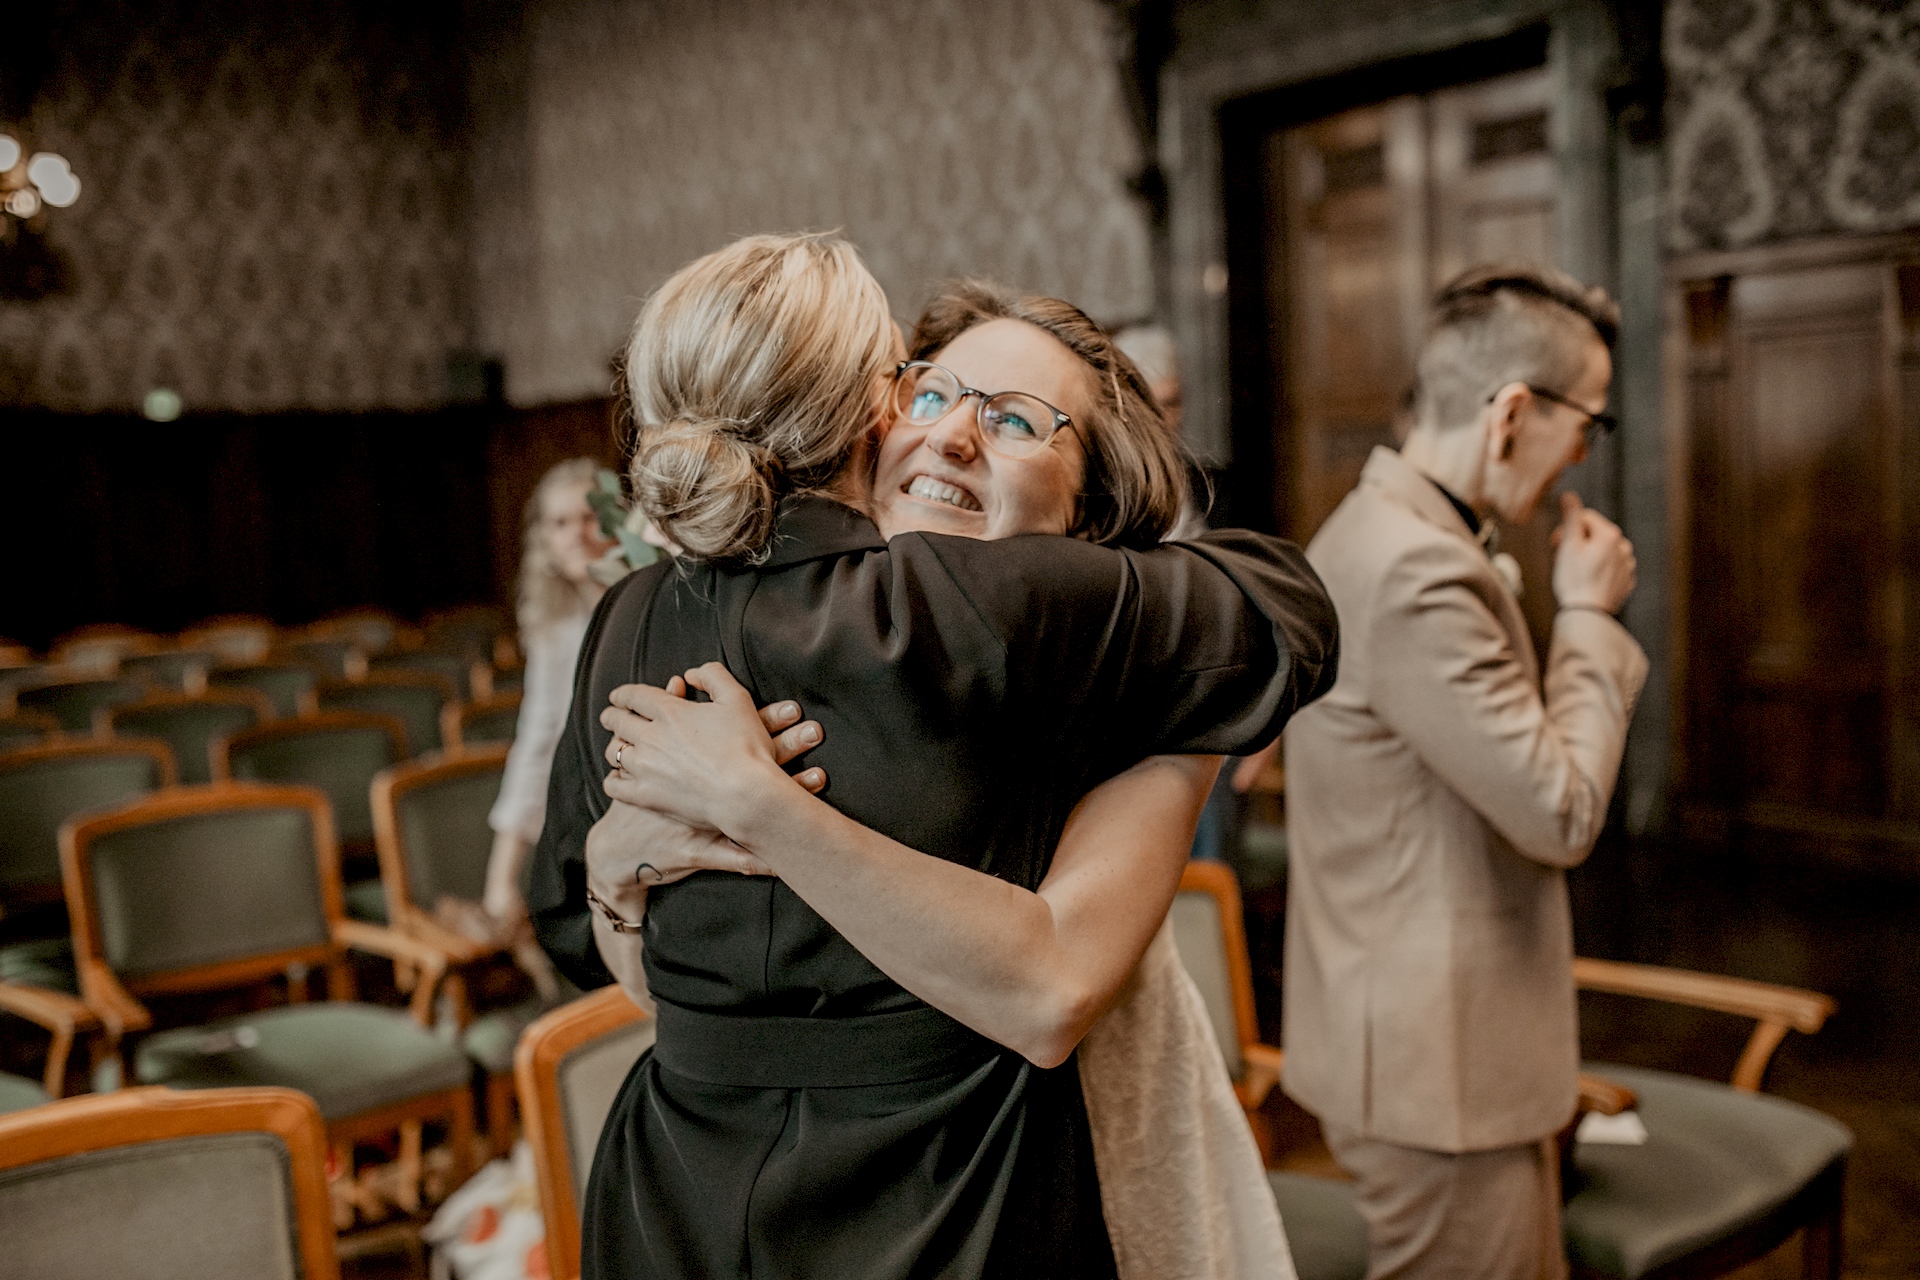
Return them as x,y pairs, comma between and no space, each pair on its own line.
1435,798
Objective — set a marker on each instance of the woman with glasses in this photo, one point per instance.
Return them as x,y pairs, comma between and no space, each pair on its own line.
864,1065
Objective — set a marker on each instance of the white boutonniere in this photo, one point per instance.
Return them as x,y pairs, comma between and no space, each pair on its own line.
1508,570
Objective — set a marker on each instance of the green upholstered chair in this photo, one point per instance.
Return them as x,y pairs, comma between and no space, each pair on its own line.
176,670
78,704
150,1182
336,751
471,724
26,729
289,686
430,826
41,787
468,679
510,680
234,639
232,886
1726,1174
1210,932
415,698
330,657
61,1015
191,723
568,1068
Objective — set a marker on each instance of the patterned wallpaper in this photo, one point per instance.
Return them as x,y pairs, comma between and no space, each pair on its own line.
1792,118
942,136
273,212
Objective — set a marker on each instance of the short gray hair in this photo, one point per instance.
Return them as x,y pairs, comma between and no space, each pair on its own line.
1501,323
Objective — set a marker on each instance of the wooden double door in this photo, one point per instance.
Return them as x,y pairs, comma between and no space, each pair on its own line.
1379,206
1796,492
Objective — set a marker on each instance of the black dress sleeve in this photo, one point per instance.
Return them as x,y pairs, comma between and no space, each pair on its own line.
1204,647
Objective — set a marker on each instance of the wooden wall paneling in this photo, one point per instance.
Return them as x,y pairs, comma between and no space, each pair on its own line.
1810,549
1801,410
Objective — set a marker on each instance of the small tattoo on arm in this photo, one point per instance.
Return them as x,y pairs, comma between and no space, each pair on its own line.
640,873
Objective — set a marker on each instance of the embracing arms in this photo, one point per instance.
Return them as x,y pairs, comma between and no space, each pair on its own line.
1032,970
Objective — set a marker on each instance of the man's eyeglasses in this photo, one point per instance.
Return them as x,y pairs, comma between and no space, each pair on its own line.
1011,422
1597,424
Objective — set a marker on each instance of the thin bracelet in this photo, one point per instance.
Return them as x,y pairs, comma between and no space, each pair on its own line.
1589,608
618,923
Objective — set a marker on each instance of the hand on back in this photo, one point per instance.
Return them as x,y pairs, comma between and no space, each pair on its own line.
1594,567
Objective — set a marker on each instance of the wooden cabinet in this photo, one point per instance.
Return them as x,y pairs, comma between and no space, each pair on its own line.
1797,420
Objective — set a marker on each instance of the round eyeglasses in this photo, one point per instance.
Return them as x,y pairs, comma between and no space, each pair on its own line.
1012,423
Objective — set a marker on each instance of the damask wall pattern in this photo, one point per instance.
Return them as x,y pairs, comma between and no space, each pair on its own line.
941,136
1791,118
273,212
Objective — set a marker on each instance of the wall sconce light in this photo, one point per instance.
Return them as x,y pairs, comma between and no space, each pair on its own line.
32,183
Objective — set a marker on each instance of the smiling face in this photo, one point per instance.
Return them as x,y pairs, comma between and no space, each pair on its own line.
941,477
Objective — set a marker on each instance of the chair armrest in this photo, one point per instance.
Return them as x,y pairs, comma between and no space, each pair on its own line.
112,1003
1262,1072
381,941
457,948
1777,1009
1605,1097
56,1011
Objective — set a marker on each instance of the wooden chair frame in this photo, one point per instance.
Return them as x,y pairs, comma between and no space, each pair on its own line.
391,680
536,1072
1263,1061
454,718
273,730
133,1117
402,912
115,1000
64,1017
304,706
231,695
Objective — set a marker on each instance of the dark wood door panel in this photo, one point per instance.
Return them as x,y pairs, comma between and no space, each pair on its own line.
1800,498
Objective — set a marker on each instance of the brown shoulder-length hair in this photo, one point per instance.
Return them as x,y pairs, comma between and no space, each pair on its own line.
1136,473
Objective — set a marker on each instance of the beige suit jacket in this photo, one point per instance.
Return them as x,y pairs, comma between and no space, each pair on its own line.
1434,801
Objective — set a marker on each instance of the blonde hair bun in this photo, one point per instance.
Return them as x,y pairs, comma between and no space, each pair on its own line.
706,486
753,373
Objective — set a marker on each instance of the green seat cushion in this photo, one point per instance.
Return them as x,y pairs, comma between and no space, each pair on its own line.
45,962
1326,1233
1715,1160
491,1038
367,900
415,706
73,703
17,1093
284,685
350,1058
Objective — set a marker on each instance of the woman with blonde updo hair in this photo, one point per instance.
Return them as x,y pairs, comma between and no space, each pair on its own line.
864,1062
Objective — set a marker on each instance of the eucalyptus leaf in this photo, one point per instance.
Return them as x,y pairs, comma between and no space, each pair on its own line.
617,521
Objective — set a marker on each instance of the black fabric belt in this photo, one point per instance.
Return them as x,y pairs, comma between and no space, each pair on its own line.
814,1053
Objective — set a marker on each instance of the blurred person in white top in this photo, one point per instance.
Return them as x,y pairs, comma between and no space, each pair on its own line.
557,596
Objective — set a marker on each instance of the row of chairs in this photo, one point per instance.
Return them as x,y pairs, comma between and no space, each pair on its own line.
1726,1175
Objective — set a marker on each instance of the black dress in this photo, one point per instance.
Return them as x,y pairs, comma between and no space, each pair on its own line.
801,1115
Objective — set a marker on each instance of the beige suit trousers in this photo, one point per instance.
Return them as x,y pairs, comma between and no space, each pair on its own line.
1477,1215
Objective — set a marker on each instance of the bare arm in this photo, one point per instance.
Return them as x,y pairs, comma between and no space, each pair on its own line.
1031,970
